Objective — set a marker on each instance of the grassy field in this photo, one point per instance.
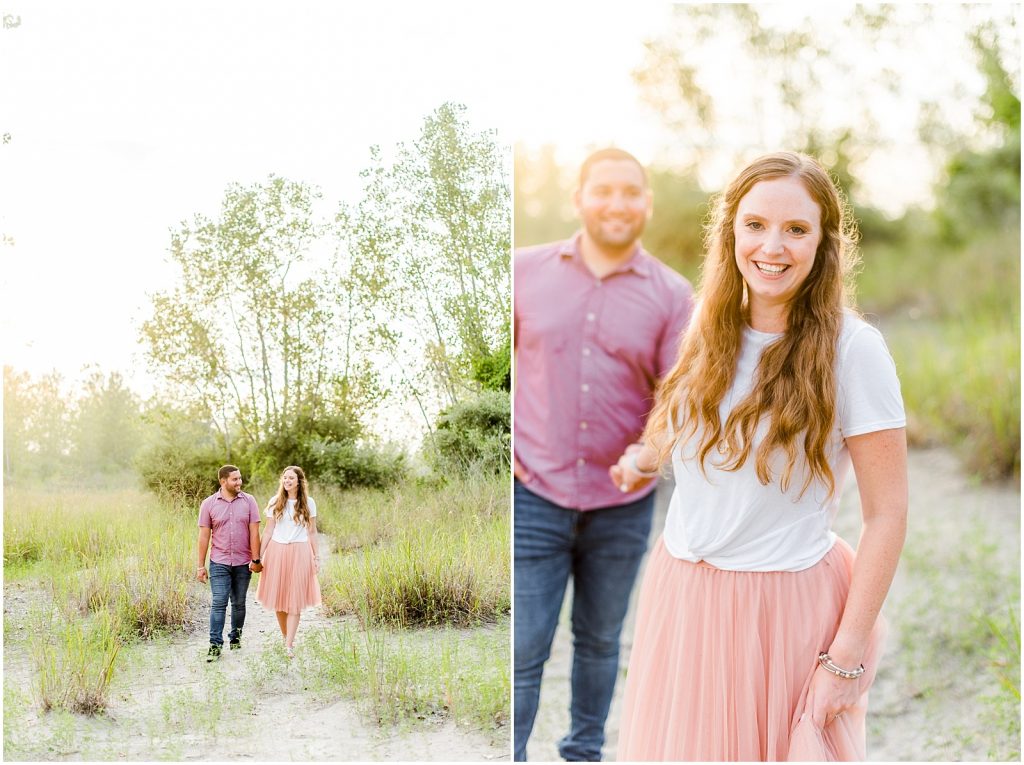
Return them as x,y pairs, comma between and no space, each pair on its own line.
106,576
951,317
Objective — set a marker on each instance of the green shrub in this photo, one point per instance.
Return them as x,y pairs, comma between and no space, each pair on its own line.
347,465
74,660
179,474
473,437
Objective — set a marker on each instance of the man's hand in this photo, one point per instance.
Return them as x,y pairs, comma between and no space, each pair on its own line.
255,567
519,471
201,574
622,474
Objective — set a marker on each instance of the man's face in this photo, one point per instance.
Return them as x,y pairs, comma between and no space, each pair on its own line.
233,483
614,203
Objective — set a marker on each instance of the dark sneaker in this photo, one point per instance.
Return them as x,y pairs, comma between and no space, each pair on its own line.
214,653
235,642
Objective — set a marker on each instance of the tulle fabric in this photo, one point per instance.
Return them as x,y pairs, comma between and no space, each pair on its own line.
288,581
722,661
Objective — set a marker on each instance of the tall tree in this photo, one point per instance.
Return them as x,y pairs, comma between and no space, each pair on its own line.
249,331
847,83
107,424
427,256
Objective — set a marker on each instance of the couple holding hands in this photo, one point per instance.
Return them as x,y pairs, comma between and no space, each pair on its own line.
229,527
758,629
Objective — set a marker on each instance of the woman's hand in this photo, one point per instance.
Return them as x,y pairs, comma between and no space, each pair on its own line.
622,474
316,564
830,696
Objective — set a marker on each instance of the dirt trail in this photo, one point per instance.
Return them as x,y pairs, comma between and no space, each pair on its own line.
166,702
944,504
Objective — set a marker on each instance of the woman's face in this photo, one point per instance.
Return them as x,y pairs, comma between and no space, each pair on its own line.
777,230
289,480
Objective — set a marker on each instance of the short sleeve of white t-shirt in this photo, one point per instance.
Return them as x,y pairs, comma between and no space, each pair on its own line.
287,529
868,390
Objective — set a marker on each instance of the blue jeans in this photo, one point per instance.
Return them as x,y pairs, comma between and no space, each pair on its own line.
227,581
601,550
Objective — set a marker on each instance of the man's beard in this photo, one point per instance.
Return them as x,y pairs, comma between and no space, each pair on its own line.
623,241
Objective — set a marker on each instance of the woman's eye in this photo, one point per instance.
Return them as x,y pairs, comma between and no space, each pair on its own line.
800,230
754,225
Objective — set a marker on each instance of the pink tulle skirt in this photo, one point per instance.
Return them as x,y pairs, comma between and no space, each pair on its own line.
288,581
722,661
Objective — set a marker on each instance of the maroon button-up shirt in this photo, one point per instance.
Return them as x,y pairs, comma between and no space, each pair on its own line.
229,526
589,353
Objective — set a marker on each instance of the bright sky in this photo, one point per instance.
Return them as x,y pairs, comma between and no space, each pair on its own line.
126,118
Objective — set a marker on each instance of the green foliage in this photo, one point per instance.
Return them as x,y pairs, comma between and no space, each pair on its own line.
349,466
36,418
473,437
493,370
420,555
74,661
181,473
787,62
253,335
464,676
428,256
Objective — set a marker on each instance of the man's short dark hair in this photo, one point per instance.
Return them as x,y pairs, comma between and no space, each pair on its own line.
604,154
225,471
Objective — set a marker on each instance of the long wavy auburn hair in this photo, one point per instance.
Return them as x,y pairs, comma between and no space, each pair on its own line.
794,385
280,500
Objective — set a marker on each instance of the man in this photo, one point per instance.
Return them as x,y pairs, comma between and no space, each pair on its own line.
231,520
597,322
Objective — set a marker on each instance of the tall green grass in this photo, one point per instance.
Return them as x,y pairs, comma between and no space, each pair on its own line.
114,562
74,660
961,386
951,318
419,555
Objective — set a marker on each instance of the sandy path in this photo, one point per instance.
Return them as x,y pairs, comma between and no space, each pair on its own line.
166,702
943,504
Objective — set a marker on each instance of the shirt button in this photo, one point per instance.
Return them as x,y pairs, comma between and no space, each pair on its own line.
583,426
584,387
581,462
591,317
597,282
586,351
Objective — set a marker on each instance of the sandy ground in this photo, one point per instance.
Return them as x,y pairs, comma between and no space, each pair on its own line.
167,703
901,726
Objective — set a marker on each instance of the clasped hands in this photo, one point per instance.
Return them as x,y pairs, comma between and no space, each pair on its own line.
625,478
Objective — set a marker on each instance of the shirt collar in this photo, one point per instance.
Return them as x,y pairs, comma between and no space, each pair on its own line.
636,263
220,493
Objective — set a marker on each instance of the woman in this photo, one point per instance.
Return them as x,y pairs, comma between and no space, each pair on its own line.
290,560
757,634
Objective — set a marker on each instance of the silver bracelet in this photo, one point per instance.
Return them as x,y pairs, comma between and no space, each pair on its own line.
850,674
631,462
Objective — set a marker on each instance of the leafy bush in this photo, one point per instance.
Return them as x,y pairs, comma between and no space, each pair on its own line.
494,370
182,475
347,465
473,436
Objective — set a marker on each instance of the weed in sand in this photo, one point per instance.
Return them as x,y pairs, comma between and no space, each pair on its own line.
966,625
452,674
74,660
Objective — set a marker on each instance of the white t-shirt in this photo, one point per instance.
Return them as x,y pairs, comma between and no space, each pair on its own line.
287,529
730,519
